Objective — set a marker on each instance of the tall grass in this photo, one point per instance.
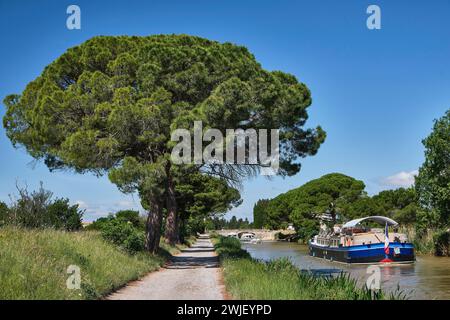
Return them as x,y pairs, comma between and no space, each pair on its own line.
247,278
33,264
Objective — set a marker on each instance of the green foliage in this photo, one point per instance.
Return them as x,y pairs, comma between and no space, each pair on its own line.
194,225
124,235
331,194
362,207
400,204
433,181
34,264
4,213
228,247
234,223
110,104
64,216
36,209
131,216
124,229
202,199
441,241
259,213
99,223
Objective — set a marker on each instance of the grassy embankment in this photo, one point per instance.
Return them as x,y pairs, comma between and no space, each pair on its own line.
33,264
247,278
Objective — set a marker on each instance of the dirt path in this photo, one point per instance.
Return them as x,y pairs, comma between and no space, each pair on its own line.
193,274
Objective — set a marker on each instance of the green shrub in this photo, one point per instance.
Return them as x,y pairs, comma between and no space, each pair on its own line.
227,247
61,215
4,210
36,209
131,216
441,241
99,223
124,235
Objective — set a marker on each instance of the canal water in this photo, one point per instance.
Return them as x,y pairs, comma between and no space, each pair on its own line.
427,278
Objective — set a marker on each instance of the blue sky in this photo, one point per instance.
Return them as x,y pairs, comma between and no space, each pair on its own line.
375,92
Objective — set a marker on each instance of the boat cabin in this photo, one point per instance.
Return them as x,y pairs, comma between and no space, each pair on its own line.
355,233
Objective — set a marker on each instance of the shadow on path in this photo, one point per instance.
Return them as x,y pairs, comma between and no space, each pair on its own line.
197,256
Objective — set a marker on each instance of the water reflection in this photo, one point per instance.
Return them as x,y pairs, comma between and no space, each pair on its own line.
428,278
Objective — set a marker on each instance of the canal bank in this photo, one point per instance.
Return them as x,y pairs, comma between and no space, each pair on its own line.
427,278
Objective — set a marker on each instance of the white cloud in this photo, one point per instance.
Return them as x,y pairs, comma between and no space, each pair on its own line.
401,179
125,204
93,211
81,204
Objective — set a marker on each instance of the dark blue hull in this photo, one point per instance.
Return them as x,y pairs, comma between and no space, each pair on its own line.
371,253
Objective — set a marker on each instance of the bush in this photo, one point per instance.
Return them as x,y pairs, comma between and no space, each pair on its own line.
131,216
441,241
61,215
124,235
38,210
227,247
3,213
100,223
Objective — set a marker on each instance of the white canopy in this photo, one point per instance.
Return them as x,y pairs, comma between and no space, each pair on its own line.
379,219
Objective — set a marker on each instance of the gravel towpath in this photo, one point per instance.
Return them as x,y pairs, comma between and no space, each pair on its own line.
194,274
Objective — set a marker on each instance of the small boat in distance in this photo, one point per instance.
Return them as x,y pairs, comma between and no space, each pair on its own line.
250,238
354,242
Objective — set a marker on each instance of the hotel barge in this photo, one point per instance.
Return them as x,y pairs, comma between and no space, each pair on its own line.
356,243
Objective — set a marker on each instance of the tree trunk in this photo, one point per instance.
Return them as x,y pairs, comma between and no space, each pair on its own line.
153,228
172,230
181,228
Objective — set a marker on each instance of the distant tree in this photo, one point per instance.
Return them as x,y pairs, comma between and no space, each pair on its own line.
219,223
3,213
201,197
259,213
131,216
233,223
330,194
110,104
100,222
362,207
433,182
62,215
399,204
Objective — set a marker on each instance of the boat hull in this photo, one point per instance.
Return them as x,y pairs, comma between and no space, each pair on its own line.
372,253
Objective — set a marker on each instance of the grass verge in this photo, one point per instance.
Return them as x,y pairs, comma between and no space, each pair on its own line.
33,264
247,278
